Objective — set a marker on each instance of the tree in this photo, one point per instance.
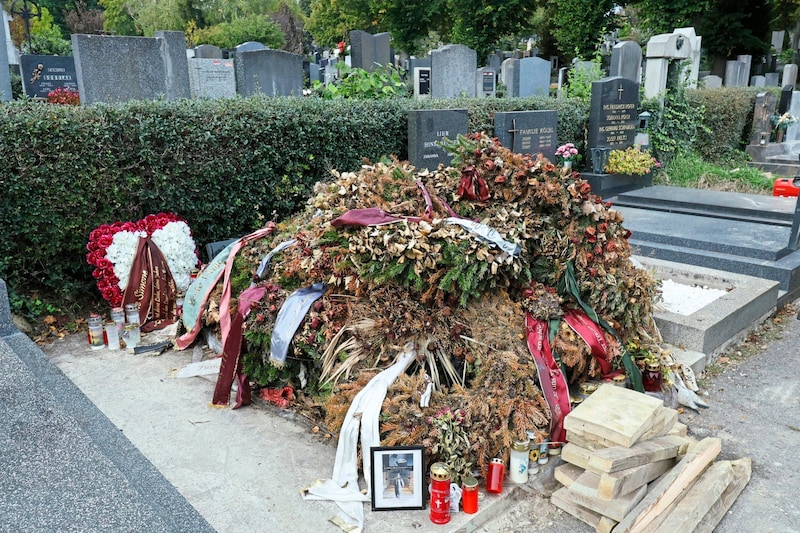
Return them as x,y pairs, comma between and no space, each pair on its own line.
663,17
480,25
577,25
734,27
258,28
117,18
290,22
412,21
84,20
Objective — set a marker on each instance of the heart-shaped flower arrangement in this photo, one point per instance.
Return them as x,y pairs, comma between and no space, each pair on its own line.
112,248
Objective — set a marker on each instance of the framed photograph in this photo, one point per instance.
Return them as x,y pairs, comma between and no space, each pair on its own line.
397,478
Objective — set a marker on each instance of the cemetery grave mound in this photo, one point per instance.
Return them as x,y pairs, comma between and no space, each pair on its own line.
452,261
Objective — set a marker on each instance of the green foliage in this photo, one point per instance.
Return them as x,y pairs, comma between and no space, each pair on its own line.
383,82
690,170
46,38
733,27
632,160
663,17
411,22
727,120
480,25
258,28
117,18
580,79
674,125
576,25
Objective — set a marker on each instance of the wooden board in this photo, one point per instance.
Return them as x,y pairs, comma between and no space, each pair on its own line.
741,477
624,481
588,441
583,491
576,455
694,505
678,428
616,458
566,473
671,486
616,414
662,425
602,524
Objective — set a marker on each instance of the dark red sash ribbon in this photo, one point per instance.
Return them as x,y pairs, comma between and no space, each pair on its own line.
151,286
592,335
231,367
554,386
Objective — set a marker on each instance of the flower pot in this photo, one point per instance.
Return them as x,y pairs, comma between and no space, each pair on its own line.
567,164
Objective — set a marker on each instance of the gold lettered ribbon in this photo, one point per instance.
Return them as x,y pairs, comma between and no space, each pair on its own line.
152,287
592,336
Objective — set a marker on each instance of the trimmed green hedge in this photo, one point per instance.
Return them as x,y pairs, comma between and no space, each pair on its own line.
226,166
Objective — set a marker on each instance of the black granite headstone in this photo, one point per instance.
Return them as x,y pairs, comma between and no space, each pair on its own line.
786,99
613,113
426,127
43,74
528,132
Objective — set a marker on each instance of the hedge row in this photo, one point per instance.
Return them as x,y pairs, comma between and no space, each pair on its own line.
226,166
727,117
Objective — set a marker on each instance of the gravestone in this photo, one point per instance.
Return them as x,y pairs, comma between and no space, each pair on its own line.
269,72
42,74
691,71
7,326
117,69
744,71
789,75
5,73
772,79
626,61
762,114
758,81
777,40
786,99
367,51
249,46
712,81
664,53
793,130
422,81
208,51
212,78
613,113
529,76
426,127
494,61
528,132
505,67
453,71
485,81
733,73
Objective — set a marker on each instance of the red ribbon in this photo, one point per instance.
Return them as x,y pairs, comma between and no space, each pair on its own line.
231,366
592,335
554,386
472,185
151,286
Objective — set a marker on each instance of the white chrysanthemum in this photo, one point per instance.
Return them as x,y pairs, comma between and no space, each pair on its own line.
121,251
176,243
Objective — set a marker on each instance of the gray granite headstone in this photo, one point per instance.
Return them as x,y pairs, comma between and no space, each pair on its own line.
426,127
42,74
744,71
453,71
269,72
785,101
528,132
762,114
529,76
494,61
7,326
772,79
613,113
249,46
777,40
758,81
485,82
733,73
789,75
793,130
212,78
117,69
208,51
5,73
712,81
367,51
422,81
626,61
505,71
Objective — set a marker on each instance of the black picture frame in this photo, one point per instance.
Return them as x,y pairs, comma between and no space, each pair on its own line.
397,474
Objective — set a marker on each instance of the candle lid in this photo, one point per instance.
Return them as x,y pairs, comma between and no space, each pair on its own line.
470,482
440,472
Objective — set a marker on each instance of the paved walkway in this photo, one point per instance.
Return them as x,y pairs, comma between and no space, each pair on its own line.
108,441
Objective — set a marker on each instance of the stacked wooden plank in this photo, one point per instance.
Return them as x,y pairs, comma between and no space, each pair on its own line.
629,467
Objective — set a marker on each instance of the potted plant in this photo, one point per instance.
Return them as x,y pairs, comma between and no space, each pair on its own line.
567,154
779,125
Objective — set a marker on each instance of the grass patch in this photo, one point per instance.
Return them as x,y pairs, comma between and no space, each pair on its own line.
734,175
